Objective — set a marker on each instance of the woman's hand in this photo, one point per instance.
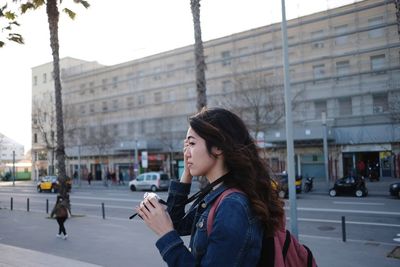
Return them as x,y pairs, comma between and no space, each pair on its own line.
186,176
155,216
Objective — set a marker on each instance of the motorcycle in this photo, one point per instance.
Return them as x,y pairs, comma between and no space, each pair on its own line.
308,184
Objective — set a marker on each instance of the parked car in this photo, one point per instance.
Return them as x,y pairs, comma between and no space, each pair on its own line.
394,189
153,181
52,184
349,185
283,189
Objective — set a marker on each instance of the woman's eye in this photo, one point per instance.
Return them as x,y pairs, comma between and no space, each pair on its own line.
191,143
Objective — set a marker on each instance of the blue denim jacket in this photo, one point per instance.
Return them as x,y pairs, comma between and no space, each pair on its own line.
235,239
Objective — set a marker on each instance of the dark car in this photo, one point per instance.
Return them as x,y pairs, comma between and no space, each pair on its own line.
282,179
350,185
394,189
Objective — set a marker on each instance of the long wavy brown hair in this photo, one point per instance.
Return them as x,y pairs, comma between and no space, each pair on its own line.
225,130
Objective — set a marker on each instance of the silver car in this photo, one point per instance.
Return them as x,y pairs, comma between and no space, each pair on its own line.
153,181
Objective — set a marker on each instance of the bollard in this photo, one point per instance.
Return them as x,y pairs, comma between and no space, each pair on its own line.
47,206
343,229
11,204
27,204
102,209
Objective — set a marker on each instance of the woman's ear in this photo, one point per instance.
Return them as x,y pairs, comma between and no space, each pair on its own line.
216,151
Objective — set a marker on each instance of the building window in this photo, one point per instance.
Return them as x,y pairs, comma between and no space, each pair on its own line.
44,77
82,109
345,106
141,100
157,97
104,84
129,102
227,87
115,81
378,32
189,64
170,96
142,126
115,104
170,70
318,71
380,103
157,74
104,106
226,58
319,107
115,130
34,80
92,108
342,68
35,138
315,36
243,54
341,38
377,62
190,92
131,128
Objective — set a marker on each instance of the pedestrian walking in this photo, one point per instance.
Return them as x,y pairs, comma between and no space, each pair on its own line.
219,147
121,178
89,178
61,211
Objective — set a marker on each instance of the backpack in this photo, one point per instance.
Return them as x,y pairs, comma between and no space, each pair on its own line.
283,250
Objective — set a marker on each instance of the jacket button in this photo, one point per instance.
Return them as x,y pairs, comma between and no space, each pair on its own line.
200,224
190,249
203,205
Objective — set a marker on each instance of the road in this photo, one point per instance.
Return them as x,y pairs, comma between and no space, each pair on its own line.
372,220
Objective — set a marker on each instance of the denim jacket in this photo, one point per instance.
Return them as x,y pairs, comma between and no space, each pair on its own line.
235,239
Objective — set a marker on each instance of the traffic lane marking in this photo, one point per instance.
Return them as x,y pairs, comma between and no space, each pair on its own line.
358,203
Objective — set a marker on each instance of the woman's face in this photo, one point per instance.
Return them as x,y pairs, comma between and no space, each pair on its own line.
199,161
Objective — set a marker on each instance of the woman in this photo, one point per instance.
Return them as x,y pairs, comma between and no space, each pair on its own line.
218,146
61,211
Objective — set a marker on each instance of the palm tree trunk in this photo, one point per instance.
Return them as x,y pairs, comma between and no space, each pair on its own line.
53,18
199,56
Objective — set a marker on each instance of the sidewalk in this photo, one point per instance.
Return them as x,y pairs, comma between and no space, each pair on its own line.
28,239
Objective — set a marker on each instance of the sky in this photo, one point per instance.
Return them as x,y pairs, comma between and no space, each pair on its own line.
119,32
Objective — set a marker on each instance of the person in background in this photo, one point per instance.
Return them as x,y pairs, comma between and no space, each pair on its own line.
218,146
121,178
89,178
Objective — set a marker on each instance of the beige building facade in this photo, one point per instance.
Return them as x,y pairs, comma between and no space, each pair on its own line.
344,68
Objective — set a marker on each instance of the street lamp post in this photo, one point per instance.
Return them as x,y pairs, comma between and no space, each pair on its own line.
13,167
289,129
325,141
79,165
136,165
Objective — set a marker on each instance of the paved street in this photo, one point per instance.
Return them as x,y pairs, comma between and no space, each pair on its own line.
372,224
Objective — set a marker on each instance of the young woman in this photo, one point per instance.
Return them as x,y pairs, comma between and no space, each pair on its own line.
61,211
219,147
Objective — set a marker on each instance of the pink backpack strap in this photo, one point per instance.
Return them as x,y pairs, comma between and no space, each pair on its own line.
215,205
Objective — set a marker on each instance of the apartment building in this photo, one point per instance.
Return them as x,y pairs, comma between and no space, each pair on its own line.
345,80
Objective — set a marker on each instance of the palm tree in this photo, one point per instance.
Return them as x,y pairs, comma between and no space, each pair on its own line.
199,56
53,15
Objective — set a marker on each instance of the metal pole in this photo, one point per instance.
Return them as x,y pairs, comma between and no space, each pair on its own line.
79,165
13,167
289,129
103,210
136,165
325,141
27,204
343,229
11,204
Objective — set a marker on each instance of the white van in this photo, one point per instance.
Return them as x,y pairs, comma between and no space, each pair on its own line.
153,181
